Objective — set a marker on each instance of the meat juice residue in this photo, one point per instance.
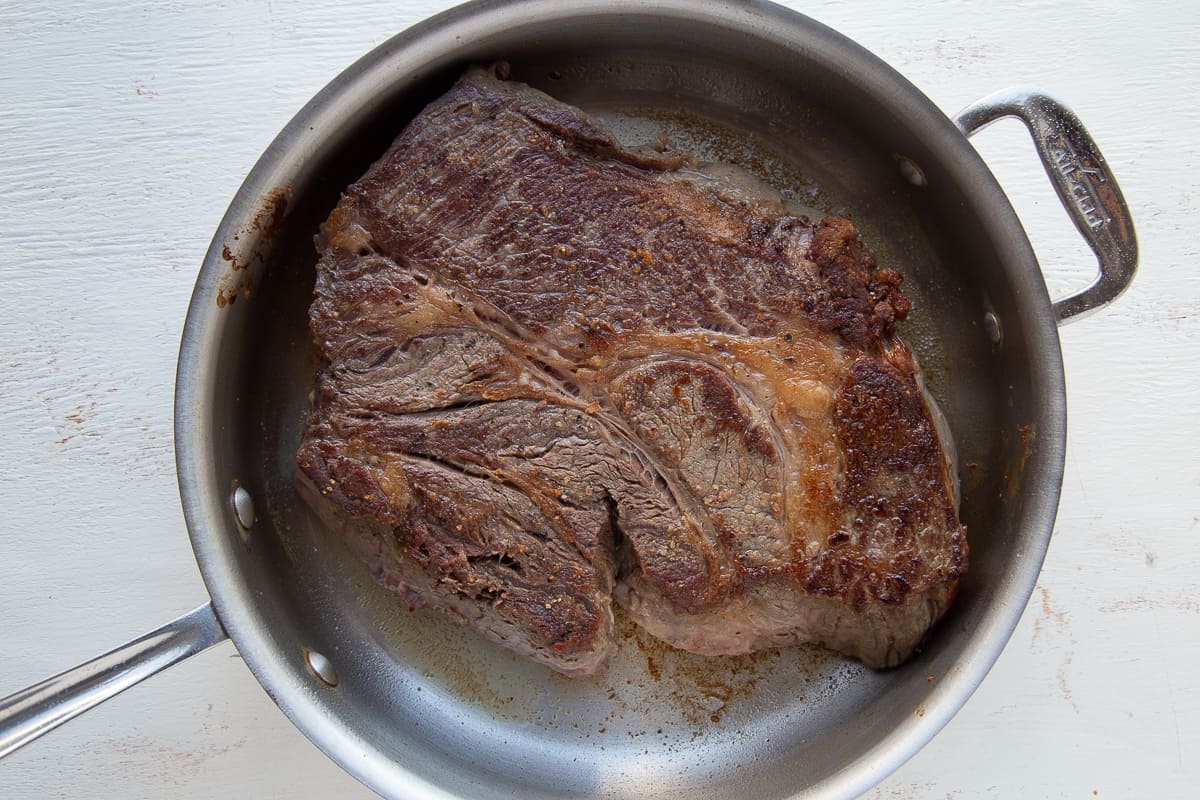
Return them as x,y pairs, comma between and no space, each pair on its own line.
648,689
250,247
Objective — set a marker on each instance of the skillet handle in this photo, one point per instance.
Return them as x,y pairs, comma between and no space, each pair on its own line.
1083,181
29,713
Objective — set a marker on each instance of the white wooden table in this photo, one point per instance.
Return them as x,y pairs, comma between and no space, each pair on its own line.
126,128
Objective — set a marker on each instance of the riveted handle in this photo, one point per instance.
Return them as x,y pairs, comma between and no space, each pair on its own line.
27,714
1083,181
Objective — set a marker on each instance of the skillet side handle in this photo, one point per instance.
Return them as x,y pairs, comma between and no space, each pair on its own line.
29,713
1085,185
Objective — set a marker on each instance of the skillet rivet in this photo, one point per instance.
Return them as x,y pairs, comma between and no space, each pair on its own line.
321,667
243,507
991,324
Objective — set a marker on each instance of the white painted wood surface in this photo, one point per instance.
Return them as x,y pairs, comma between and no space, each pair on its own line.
125,128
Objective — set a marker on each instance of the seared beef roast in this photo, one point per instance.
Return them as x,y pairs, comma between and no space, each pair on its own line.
559,371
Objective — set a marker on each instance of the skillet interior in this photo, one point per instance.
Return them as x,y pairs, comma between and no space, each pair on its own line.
420,704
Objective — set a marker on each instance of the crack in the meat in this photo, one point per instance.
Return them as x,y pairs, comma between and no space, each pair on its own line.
435,412
563,381
684,500
624,556
464,469
499,559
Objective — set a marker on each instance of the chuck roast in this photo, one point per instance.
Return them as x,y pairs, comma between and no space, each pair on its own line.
559,372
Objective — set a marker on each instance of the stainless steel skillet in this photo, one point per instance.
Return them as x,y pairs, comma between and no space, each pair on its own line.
414,708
